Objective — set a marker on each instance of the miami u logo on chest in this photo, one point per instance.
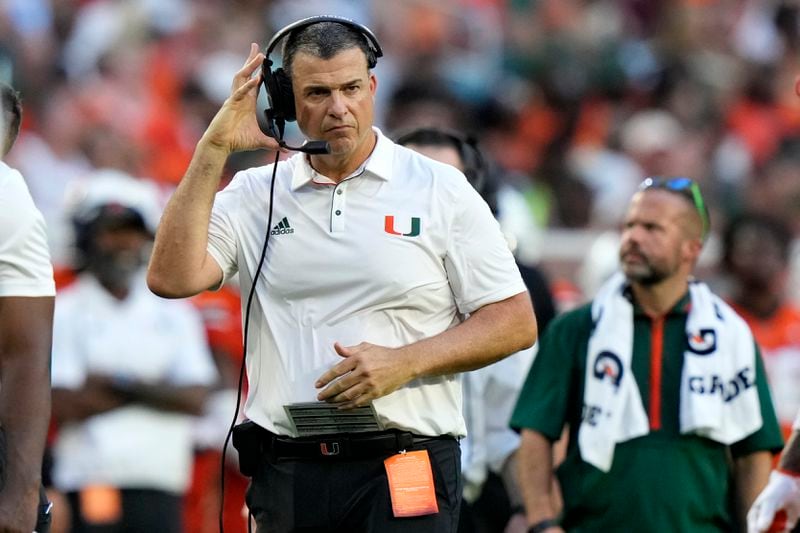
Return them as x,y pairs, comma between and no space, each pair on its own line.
414,226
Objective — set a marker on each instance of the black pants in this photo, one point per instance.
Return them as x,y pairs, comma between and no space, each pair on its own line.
143,511
349,496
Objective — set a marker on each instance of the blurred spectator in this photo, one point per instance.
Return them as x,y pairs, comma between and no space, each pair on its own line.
599,263
611,177
128,370
459,42
777,189
651,138
426,102
756,259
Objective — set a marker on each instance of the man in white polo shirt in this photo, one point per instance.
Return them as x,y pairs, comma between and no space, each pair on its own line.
375,255
26,321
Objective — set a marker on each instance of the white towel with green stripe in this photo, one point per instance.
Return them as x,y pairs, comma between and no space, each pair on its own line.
719,399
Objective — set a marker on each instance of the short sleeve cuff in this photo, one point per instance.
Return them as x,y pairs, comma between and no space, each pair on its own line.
493,297
32,289
218,256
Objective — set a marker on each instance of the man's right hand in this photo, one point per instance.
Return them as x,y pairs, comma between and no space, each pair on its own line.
235,126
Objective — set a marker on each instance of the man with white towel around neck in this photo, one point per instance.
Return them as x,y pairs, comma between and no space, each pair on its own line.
671,426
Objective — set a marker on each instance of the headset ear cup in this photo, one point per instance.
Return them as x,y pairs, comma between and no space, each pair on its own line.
284,88
281,95
272,92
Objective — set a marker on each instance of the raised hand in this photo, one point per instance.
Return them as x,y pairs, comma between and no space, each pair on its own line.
235,126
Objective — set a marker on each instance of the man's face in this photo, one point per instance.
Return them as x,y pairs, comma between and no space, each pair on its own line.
117,254
334,99
655,244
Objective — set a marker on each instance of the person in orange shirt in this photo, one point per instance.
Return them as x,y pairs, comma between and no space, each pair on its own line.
756,259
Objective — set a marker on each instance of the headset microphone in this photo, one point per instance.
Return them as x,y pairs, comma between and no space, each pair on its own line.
311,147
274,128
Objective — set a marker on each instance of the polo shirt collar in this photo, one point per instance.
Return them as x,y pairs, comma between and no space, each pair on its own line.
378,164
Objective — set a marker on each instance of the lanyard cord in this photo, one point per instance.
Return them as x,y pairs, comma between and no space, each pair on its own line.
250,295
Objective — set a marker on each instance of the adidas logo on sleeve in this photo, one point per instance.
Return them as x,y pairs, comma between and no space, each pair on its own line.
282,227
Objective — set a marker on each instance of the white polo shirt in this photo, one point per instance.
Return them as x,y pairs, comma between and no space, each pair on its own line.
396,253
25,268
145,339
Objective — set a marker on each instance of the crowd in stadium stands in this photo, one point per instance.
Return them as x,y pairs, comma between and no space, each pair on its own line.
574,101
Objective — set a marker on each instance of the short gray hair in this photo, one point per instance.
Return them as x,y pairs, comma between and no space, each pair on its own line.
324,40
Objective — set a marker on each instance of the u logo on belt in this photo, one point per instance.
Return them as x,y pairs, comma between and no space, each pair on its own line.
332,450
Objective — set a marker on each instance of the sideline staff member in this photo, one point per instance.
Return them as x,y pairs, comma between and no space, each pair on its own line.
377,256
27,293
671,422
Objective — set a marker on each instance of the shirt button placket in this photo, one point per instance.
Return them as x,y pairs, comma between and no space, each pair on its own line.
337,209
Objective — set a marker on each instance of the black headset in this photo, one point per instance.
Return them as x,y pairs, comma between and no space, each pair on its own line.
278,84
476,169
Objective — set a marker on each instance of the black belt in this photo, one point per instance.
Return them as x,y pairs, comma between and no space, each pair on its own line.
343,445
